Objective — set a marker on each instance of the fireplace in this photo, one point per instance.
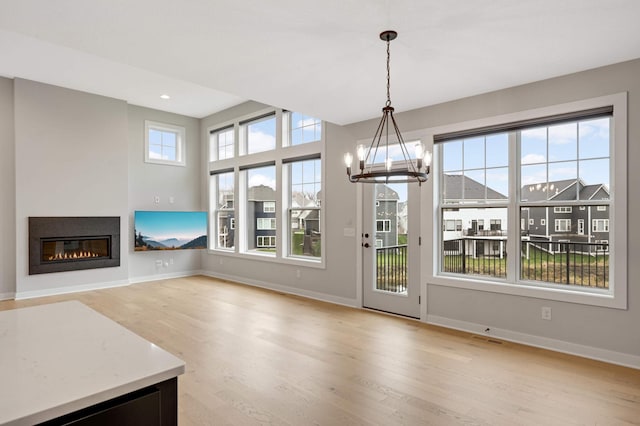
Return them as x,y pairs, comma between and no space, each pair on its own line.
58,244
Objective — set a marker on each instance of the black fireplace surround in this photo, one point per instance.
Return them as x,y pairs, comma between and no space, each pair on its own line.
58,244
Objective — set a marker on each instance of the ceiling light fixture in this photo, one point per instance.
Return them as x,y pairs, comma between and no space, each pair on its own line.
372,168
165,96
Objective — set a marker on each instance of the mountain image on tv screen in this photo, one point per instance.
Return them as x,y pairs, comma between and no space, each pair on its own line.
156,230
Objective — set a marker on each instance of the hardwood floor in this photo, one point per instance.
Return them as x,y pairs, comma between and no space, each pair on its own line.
259,357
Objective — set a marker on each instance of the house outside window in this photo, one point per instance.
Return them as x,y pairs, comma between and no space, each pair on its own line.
269,207
600,225
559,172
164,144
563,225
384,225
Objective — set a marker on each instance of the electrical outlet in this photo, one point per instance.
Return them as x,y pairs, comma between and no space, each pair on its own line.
546,313
171,261
159,263
156,199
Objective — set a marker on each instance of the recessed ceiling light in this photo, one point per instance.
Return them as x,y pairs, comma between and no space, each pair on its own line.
165,96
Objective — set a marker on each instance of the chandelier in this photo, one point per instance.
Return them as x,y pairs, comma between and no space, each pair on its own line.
371,167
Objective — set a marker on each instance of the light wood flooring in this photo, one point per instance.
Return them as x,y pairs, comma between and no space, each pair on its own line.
256,357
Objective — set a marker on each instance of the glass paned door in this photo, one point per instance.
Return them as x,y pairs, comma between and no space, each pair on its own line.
390,251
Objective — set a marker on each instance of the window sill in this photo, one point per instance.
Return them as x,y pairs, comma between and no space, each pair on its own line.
593,298
296,261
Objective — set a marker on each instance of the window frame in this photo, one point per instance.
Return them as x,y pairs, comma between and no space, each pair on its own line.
181,143
616,295
279,157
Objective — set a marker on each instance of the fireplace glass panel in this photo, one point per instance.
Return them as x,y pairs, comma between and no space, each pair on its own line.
75,249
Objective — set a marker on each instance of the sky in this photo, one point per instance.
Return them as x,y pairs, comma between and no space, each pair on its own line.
164,225
550,153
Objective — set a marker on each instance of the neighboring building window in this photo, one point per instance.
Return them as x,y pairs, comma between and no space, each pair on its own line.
266,241
301,128
563,225
305,233
266,223
379,243
562,209
600,225
269,207
260,134
223,225
221,144
561,173
164,144
384,225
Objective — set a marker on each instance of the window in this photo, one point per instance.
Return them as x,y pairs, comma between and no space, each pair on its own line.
600,225
557,168
305,185
384,225
223,225
275,212
266,223
266,241
563,225
260,134
260,207
301,128
164,144
221,144
562,209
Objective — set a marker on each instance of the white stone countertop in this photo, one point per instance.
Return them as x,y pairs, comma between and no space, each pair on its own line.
58,358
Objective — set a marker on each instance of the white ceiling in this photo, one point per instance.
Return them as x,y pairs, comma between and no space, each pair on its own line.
323,58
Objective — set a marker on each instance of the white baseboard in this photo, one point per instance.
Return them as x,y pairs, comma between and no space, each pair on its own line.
159,277
66,290
591,352
285,289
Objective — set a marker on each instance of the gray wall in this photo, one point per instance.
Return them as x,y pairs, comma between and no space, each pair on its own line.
147,180
71,153
609,329
71,160
7,192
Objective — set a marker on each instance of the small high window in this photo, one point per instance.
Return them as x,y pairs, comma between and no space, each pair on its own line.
164,144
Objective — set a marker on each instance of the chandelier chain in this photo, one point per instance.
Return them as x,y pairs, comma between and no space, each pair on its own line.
388,73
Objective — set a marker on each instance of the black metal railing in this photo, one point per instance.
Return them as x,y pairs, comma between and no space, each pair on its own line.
391,269
560,262
475,256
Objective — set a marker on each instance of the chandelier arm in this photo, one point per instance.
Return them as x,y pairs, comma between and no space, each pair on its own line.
403,147
377,136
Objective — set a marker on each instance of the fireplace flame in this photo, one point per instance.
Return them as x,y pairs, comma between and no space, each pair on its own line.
74,255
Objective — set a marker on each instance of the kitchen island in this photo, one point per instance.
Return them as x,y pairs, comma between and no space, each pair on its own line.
64,363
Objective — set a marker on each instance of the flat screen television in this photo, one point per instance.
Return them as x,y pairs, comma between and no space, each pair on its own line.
176,230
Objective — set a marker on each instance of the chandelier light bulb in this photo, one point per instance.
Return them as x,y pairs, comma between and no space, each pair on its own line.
348,159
